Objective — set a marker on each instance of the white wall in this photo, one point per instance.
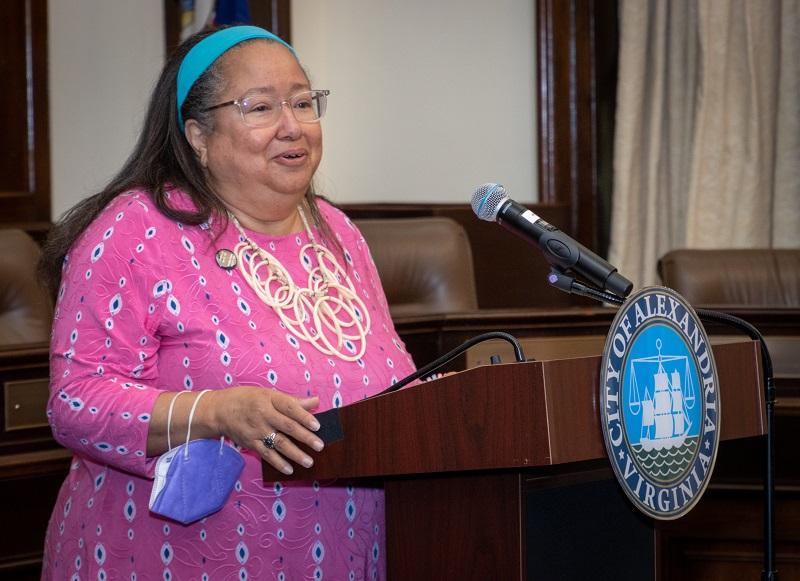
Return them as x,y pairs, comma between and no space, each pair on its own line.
104,58
429,99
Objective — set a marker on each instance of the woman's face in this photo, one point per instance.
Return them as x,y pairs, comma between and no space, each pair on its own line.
261,173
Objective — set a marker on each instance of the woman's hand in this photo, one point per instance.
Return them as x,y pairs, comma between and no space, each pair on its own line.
247,415
250,415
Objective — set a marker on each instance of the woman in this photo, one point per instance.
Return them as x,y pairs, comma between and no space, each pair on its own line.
209,264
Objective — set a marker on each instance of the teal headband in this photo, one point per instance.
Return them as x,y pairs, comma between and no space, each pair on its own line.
204,53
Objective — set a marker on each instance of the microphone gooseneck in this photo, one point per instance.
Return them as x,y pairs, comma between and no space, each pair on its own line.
490,202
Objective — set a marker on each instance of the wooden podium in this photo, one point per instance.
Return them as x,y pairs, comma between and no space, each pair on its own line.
500,472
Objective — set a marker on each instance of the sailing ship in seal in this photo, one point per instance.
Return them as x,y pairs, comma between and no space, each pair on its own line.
665,439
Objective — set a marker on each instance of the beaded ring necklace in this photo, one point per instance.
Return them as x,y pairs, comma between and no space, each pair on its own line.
327,312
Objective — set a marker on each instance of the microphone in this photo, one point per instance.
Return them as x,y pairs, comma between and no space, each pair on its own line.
491,203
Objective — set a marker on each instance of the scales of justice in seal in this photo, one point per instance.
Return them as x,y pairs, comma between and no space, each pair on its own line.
667,403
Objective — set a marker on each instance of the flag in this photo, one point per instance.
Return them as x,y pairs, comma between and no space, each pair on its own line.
232,12
187,19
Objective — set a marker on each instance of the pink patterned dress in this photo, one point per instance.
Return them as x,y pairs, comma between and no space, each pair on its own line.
144,308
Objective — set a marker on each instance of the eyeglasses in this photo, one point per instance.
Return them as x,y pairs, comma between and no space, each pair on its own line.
259,109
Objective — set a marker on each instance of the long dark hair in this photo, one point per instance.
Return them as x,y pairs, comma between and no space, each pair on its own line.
162,158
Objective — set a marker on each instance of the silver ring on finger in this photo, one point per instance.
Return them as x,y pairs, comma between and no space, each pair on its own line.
270,441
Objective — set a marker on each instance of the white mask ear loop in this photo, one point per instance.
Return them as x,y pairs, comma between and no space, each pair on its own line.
191,417
169,417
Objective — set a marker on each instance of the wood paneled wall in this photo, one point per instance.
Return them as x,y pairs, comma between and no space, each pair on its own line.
576,78
24,139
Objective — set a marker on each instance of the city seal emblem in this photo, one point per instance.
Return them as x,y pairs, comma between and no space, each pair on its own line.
660,403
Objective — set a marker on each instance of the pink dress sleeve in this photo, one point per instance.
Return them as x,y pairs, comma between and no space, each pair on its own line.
104,347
